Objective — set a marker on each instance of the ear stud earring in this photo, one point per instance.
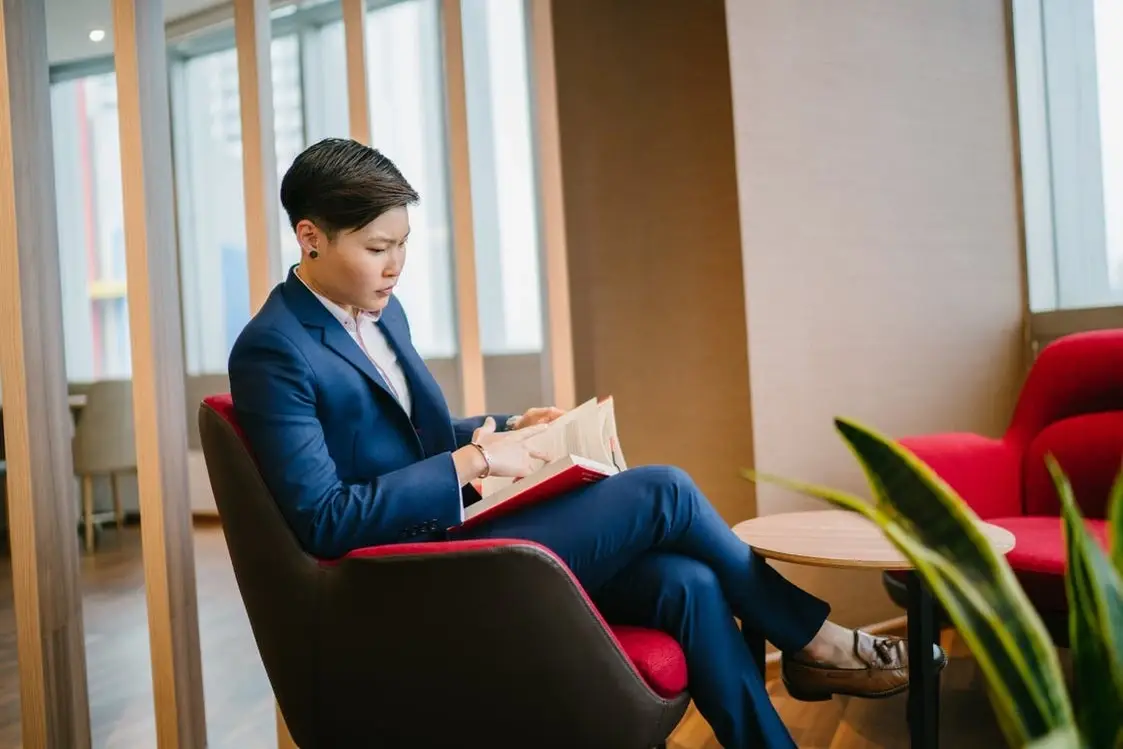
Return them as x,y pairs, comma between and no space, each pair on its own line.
313,254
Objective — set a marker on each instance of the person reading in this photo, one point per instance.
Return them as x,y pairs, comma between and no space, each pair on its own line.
355,441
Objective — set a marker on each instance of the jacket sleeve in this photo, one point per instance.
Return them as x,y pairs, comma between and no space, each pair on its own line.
274,394
463,428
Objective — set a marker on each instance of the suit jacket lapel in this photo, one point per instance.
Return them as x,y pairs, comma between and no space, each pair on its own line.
313,314
430,410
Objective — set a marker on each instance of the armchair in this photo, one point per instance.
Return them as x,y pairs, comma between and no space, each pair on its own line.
440,644
1071,406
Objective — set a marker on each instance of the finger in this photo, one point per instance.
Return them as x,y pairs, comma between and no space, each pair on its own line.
538,455
488,426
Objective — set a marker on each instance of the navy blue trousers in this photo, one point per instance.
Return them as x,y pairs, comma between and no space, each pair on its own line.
651,551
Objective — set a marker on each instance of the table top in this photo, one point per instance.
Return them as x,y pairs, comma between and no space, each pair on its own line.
836,538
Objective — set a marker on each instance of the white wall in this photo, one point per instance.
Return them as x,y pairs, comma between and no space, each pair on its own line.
876,171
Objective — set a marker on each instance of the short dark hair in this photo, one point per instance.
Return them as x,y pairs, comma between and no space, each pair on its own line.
340,185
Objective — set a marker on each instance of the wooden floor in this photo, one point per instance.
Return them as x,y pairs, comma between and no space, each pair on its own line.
239,704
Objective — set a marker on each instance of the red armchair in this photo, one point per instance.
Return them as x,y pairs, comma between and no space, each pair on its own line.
1071,406
442,644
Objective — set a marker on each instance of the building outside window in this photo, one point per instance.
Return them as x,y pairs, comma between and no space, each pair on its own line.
91,227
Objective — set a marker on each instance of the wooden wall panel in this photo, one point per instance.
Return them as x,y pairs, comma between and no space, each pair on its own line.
355,41
654,242
259,156
41,498
557,370
156,334
469,351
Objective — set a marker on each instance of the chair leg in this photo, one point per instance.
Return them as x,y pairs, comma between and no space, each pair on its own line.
118,510
88,510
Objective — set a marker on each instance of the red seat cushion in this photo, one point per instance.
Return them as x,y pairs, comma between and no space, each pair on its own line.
1039,556
657,656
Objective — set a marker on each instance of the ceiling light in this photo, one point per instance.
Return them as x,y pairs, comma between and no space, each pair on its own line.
96,35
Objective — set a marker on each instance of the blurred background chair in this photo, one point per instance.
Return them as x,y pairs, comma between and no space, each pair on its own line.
1071,407
104,446
434,644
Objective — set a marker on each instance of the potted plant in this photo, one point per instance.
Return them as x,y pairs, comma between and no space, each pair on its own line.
937,531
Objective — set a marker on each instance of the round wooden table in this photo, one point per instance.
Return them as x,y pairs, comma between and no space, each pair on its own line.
844,539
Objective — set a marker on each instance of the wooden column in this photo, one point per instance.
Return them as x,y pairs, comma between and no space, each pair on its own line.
259,155
156,334
42,508
252,38
470,356
558,349
355,43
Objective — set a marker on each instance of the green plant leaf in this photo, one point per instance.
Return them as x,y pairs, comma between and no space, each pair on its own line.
1064,738
977,620
1115,521
1095,595
1023,660
940,535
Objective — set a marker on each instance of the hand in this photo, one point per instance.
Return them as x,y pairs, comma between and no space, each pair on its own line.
541,415
510,456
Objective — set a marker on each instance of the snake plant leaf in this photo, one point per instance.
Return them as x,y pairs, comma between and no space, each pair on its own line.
1063,738
933,513
1115,520
1095,594
979,623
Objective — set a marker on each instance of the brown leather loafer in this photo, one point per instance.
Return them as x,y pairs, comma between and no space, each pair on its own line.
884,673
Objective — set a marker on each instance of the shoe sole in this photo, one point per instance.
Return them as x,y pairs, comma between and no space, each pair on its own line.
801,696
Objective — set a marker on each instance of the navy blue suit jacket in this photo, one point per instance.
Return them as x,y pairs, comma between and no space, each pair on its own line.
346,464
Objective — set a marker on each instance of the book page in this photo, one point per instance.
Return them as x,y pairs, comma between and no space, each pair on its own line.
609,437
569,434
588,431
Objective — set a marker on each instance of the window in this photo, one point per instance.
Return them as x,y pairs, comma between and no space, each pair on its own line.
406,91
504,200
1069,59
206,119
91,227
310,103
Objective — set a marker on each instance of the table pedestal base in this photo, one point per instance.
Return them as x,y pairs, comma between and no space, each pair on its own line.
924,677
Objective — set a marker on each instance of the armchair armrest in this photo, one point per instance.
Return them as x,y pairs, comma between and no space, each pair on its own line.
985,472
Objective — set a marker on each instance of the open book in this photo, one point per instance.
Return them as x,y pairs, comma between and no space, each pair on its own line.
582,447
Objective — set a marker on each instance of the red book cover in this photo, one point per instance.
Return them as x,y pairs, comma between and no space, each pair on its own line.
552,480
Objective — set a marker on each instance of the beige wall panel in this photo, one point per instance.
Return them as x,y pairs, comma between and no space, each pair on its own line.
879,211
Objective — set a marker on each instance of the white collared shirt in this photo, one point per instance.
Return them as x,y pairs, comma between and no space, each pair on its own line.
364,331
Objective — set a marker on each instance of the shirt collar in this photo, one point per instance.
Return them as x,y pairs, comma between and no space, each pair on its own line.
337,311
